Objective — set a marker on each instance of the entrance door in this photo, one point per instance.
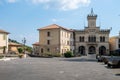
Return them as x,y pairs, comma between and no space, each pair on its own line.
92,50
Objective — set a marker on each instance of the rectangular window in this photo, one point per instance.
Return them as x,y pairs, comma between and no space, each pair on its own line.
68,42
41,50
48,50
48,42
48,34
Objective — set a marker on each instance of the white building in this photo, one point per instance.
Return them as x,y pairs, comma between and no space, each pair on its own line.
3,41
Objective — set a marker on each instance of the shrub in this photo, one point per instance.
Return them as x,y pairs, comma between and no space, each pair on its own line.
68,54
1,57
21,55
47,55
57,55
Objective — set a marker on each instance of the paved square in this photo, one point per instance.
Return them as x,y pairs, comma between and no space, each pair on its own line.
80,68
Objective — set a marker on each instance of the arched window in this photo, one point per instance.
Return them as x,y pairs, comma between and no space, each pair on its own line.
81,50
102,50
92,50
92,38
102,39
81,39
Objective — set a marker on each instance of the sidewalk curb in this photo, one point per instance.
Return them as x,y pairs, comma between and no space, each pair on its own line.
7,59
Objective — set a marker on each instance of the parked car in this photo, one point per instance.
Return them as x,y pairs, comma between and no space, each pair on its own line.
103,58
114,61
106,59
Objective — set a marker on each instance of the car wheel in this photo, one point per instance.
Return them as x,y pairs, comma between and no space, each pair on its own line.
108,65
119,64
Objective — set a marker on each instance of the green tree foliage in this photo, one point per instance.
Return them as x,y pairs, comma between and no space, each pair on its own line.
28,48
68,54
20,50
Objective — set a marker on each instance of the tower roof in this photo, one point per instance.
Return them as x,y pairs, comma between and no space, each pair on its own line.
92,13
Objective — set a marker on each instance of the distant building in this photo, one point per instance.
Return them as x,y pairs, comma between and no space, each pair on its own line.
13,47
114,42
36,48
55,39
92,40
3,41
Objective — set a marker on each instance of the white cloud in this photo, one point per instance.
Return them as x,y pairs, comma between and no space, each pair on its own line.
58,4
64,4
11,1
40,1
54,20
72,4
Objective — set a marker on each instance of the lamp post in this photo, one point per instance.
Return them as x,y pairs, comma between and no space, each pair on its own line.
24,41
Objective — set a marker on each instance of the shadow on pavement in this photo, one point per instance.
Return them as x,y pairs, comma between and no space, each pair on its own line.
79,60
117,74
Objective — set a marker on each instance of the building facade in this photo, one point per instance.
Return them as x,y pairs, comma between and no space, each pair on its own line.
55,39
114,42
36,48
3,41
92,40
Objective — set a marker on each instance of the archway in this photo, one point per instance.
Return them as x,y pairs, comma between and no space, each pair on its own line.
81,50
102,50
92,50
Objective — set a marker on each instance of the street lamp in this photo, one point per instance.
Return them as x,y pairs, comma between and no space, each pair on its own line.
24,41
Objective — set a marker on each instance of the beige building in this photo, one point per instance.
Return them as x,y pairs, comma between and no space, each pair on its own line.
3,41
36,48
92,40
13,47
55,39
114,42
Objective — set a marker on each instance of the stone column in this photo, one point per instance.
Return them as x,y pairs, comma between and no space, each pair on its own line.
86,50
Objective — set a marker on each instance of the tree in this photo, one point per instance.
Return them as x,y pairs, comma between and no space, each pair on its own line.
20,50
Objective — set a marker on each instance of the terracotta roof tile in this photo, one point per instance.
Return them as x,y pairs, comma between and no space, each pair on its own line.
53,26
36,43
2,31
14,44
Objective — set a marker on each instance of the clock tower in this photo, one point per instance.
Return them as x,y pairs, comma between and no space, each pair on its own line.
91,19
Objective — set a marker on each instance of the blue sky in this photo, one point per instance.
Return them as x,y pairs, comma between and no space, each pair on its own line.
22,18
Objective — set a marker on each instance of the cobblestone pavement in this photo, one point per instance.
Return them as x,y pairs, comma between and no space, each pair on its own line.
80,68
